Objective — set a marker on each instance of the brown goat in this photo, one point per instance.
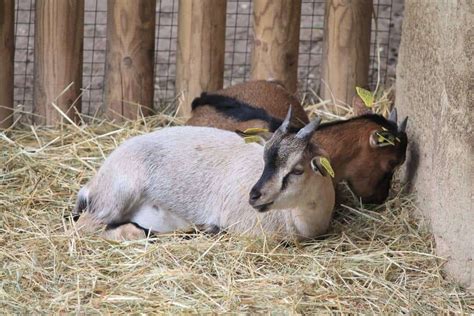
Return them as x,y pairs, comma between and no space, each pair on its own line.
359,152
249,104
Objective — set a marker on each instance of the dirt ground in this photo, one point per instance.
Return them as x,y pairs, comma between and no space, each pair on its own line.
386,32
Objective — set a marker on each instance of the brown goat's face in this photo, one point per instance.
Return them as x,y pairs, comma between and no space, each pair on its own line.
370,173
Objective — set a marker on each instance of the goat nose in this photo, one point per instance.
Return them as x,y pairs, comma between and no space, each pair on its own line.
255,195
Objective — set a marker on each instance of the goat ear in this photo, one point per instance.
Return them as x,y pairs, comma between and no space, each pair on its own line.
359,107
321,164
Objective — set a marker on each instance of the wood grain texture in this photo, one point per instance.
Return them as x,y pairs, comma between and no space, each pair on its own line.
59,32
7,9
276,25
201,45
129,75
346,48
435,90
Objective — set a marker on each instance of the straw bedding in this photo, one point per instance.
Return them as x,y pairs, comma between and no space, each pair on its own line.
375,260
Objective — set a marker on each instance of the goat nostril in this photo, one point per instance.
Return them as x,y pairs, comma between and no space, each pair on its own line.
255,195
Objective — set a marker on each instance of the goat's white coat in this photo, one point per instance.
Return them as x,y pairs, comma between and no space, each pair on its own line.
159,220
178,177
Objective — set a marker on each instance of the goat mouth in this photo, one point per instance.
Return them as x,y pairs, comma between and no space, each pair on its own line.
262,207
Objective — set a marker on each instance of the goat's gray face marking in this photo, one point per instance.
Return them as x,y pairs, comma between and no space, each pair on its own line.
283,169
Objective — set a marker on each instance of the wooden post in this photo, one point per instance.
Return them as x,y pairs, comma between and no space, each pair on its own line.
201,45
276,25
129,75
345,62
59,32
7,12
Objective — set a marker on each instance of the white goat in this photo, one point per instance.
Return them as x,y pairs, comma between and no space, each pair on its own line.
183,177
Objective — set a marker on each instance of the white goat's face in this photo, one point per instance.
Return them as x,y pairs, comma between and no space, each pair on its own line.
287,168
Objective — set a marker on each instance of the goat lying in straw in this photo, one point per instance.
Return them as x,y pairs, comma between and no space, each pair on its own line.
183,177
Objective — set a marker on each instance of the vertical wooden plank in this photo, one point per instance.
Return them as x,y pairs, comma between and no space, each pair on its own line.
276,25
201,45
129,75
7,12
59,32
346,58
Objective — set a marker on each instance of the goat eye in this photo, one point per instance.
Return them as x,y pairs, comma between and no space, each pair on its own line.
297,171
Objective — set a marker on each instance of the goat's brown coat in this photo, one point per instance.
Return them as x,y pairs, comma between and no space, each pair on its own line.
268,95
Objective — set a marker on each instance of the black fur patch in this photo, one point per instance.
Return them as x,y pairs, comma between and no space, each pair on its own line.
377,119
81,206
271,156
147,231
238,110
284,184
210,229
267,174
75,217
115,225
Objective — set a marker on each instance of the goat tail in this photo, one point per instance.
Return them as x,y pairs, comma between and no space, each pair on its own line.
82,203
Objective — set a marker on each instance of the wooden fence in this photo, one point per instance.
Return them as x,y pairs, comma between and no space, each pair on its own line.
200,54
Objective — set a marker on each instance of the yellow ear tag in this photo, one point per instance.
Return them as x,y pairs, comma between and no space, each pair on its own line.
255,130
385,138
252,139
366,96
381,138
327,165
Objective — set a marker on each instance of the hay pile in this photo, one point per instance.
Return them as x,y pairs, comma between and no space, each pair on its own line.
373,261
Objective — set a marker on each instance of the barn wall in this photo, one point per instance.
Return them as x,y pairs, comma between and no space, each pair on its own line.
435,88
